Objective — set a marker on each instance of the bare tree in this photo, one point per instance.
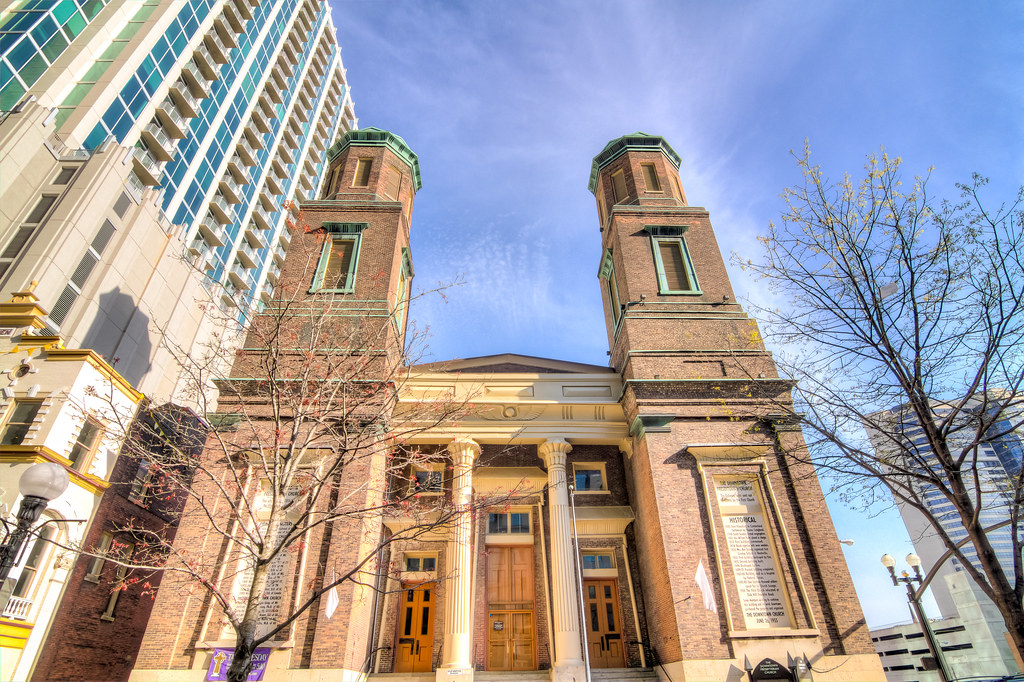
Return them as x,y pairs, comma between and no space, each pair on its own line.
905,315
304,443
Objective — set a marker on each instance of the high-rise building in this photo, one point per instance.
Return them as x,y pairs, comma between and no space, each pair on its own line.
997,454
149,150
691,548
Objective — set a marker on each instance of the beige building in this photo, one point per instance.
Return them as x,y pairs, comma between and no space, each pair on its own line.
147,153
62,405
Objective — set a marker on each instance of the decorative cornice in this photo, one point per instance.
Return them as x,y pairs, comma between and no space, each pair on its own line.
31,454
99,364
637,142
376,137
553,452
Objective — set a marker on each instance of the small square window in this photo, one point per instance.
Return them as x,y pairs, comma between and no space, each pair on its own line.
96,565
427,481
509,522
589,477
597,560
419,562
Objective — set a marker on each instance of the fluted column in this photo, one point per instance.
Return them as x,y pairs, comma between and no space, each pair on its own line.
565,604
458,611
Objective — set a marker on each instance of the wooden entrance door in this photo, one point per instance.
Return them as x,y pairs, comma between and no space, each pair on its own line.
414,653
604,626
510,640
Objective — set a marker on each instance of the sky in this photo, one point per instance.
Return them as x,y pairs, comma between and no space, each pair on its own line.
507,103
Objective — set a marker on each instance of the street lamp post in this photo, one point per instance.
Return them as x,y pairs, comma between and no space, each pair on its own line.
914,596
41,483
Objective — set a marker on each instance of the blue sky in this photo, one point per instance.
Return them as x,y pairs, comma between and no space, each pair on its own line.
506,104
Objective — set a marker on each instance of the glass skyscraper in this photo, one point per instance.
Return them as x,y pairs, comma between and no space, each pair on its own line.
150,151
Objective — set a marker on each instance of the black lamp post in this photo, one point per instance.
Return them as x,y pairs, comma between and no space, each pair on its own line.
914,596
41,482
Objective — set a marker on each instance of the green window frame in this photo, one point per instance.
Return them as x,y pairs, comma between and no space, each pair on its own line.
404,277
672,261
339,258
607,273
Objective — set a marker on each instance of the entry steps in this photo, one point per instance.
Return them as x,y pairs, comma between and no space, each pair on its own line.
596,675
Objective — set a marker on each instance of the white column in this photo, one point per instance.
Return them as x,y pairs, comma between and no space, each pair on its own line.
565,603
457,653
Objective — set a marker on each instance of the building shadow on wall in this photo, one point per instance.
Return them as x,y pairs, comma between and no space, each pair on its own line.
120,333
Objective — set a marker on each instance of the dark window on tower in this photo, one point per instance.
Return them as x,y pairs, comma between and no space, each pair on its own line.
363,168
618,186
337,268
19,421
650,177
675,271
394,186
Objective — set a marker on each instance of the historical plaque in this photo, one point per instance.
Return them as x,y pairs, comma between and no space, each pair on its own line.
770,670
762,594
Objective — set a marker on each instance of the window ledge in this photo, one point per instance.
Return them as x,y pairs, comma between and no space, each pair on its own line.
109,619
95,579
509,539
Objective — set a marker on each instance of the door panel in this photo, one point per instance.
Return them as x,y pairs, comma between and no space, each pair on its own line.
604,627
415,649
510,640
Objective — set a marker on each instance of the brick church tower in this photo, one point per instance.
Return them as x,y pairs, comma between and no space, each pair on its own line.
711,482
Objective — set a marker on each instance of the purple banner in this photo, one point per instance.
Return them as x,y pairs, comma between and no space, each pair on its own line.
221,661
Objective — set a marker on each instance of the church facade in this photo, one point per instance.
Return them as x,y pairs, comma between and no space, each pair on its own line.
639,520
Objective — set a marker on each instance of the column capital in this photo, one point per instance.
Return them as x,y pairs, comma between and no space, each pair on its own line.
464,450
553,452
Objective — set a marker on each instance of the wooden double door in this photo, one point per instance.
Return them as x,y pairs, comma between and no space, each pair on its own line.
415,650
604,624
511,633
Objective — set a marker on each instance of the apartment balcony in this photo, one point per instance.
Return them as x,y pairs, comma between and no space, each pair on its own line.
279,168
267,293
212,231
289,50
209,66
241,277
264,219
159,142
286,155
286,67
148,168
279,79
274,273
273,91
256,235
288,135
254,137
238,170
258,122
225,32
266,106
187,102
17,608
245,152
243,8
198,246
306,182
231,190
272,185
221,209
229,294
302,113
279,252
236,23
218,51
174,123
284,238
198,83
247,255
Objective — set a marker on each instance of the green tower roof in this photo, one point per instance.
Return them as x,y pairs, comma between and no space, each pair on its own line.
638,141
376,137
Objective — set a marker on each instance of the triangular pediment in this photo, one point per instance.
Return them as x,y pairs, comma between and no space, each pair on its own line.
512,363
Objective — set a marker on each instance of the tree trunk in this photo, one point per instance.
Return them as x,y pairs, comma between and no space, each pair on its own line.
241,664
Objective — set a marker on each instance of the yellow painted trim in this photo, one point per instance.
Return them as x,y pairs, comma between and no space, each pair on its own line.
31,454
26,341
94,359
22,315
14,634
